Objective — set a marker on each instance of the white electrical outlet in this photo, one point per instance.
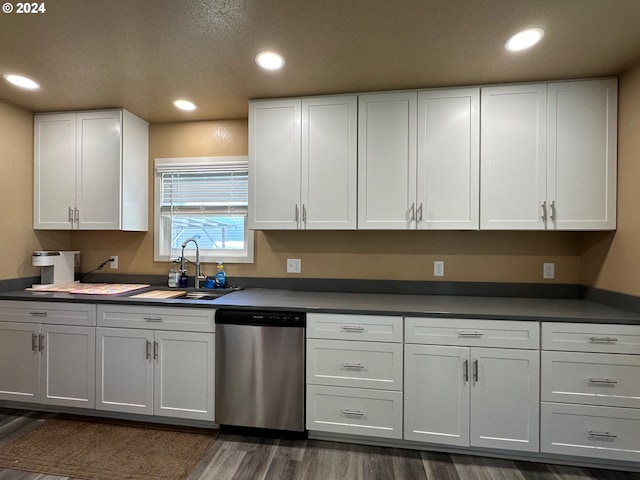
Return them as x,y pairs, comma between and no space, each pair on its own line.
548,271
438,268
294,265
113,265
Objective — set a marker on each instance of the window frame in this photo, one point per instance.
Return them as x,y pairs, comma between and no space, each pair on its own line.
205,255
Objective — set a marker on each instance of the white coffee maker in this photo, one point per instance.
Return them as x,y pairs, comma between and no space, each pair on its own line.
58,268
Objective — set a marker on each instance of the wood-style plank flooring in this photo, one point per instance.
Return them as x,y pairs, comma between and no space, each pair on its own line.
235,457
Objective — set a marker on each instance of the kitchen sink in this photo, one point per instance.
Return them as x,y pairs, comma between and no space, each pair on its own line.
203,295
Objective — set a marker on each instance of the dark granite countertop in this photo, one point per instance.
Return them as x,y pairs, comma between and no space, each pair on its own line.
454,306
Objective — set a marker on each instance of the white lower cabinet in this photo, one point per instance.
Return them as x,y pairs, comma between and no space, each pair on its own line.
355,411
47,353
590,391
154,369
354,384
471,396
590,431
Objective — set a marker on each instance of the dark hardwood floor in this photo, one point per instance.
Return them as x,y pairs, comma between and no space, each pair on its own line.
235,457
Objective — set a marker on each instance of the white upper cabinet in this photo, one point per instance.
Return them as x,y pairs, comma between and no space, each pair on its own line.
582,154
548,156
302,163
387,127
448,159
513,157
91,171
274,164
419,160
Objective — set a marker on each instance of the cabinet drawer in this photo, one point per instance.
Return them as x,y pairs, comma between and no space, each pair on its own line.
48,313
477,333
590,431
355,364
355,411
591,337
591,378
157,318
354,327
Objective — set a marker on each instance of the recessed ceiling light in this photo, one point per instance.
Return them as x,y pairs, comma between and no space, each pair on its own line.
524,39
22,82
185,105
270,60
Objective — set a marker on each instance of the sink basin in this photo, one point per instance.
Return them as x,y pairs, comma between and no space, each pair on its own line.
203,295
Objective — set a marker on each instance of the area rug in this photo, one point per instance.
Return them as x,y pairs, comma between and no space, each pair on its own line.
97,449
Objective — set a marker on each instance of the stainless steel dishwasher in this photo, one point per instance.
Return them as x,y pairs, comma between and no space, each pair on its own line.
260,369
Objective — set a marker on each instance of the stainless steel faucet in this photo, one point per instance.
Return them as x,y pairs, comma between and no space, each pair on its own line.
198,278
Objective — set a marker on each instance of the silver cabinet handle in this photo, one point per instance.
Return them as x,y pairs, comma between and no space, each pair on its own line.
155,350
602,340
475,370
553,211
40,342
34,342
353,413
544,211
352,328
153,319
465,370
38,313
470,334
593,433
355,366
148,352
412,212
420,212
304,213
76,216
71,215
602,381
297,213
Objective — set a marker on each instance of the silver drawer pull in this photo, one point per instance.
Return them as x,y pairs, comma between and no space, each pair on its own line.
593,433
470,334
352,328
355,366
602,381
34,342
38,314
353,413
602,340
153,319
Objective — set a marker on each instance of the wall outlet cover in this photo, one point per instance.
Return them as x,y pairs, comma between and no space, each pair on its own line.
294,265
549,271
438,268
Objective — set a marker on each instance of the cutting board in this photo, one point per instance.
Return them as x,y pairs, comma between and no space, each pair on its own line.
159,294
92,288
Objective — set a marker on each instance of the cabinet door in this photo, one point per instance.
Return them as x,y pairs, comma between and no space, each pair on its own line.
436,394
184,376
274,164
99,157
329,162
68,366
124,370
54,171
448,159
20,358
387,126
582,149
513,157
505,399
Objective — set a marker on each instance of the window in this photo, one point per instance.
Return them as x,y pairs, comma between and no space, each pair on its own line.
205,199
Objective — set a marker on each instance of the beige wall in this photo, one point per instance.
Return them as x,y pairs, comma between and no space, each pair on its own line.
612,261
16,197
609,261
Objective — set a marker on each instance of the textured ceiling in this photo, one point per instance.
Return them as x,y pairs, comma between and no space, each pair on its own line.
143,54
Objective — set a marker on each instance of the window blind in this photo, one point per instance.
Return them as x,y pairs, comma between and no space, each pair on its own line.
217,187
